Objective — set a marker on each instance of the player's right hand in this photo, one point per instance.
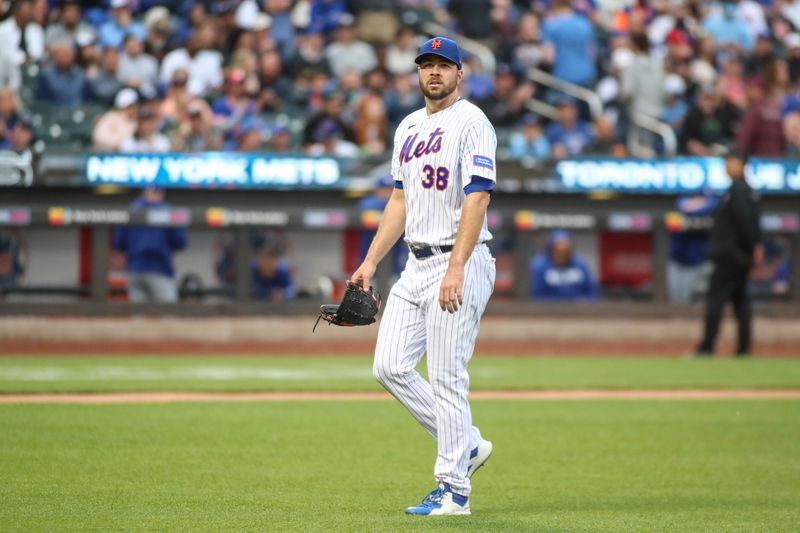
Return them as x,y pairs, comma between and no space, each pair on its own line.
363,275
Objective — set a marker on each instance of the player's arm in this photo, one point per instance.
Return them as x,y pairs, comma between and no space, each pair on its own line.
473,213
391,227
478,150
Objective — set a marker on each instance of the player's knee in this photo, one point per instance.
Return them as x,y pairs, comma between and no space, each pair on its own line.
444,381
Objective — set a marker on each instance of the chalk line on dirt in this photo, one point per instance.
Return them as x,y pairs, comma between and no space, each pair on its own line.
567,394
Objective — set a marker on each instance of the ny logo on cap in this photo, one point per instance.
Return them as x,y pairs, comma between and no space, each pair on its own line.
436,44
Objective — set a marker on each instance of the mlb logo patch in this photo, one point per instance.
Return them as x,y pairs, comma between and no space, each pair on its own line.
483,161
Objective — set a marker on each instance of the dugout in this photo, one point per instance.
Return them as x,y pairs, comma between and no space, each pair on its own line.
66,219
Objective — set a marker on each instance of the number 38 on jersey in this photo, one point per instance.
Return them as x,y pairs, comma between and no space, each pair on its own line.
438,176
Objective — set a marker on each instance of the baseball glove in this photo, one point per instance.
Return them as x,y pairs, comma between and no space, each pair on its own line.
358,308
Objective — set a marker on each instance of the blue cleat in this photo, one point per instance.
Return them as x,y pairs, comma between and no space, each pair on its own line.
441,501
478,456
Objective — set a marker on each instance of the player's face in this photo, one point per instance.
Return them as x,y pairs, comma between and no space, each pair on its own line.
438,77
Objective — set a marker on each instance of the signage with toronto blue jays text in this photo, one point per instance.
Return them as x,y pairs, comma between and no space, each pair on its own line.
215,170
674,176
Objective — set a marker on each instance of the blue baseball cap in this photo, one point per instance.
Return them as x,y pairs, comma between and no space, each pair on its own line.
442,47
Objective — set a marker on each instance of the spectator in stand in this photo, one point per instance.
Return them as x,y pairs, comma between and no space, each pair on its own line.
401,53
558,274
276,89
272,276
689,264
199,59
117,125
473,18
571,44
506,105
196,133
174,107
247,136
792,44
726,29
528,50
643,87
760,132
280,140
68,24
370,126
569,136
310,56
754,62
675,107
159,38
235,105
10,107
529,145
329,140
346,52
709,125
326,15
88,54
113,32
790,9
148,253
333,109
282,28
136,68
147,138
376,81
643,80
22,37
255,34
376,21
402,98
751,14
62,83
731,84
21,137
702,68
102,83
10,75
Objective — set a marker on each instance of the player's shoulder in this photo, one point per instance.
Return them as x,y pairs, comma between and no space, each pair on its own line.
474,115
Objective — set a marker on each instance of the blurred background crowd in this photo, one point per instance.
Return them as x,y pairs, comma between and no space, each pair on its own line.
336,76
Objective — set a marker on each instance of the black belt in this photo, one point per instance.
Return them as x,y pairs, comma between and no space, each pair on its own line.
422,252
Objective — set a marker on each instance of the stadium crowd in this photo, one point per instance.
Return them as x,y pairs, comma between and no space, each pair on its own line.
197,75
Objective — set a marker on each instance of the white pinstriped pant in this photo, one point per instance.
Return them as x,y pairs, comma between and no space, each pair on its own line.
413,324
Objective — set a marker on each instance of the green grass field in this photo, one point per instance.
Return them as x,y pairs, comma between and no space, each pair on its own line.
310,466
94,374
353,466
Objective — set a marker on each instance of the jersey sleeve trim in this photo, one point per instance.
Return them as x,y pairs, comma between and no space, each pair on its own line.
398,184
478,184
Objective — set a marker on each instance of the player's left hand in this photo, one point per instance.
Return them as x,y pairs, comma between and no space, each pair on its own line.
450,295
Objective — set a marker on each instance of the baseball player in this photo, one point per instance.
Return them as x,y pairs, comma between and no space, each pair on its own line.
444,171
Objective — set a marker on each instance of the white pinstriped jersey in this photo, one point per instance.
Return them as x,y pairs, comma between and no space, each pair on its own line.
434,158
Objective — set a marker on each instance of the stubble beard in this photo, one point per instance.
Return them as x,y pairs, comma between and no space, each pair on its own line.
440,94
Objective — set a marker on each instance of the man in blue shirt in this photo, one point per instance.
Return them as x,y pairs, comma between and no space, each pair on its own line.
727,30
148,253
688,250
63,82
272,276
370,208
572,44
570,136
557,274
